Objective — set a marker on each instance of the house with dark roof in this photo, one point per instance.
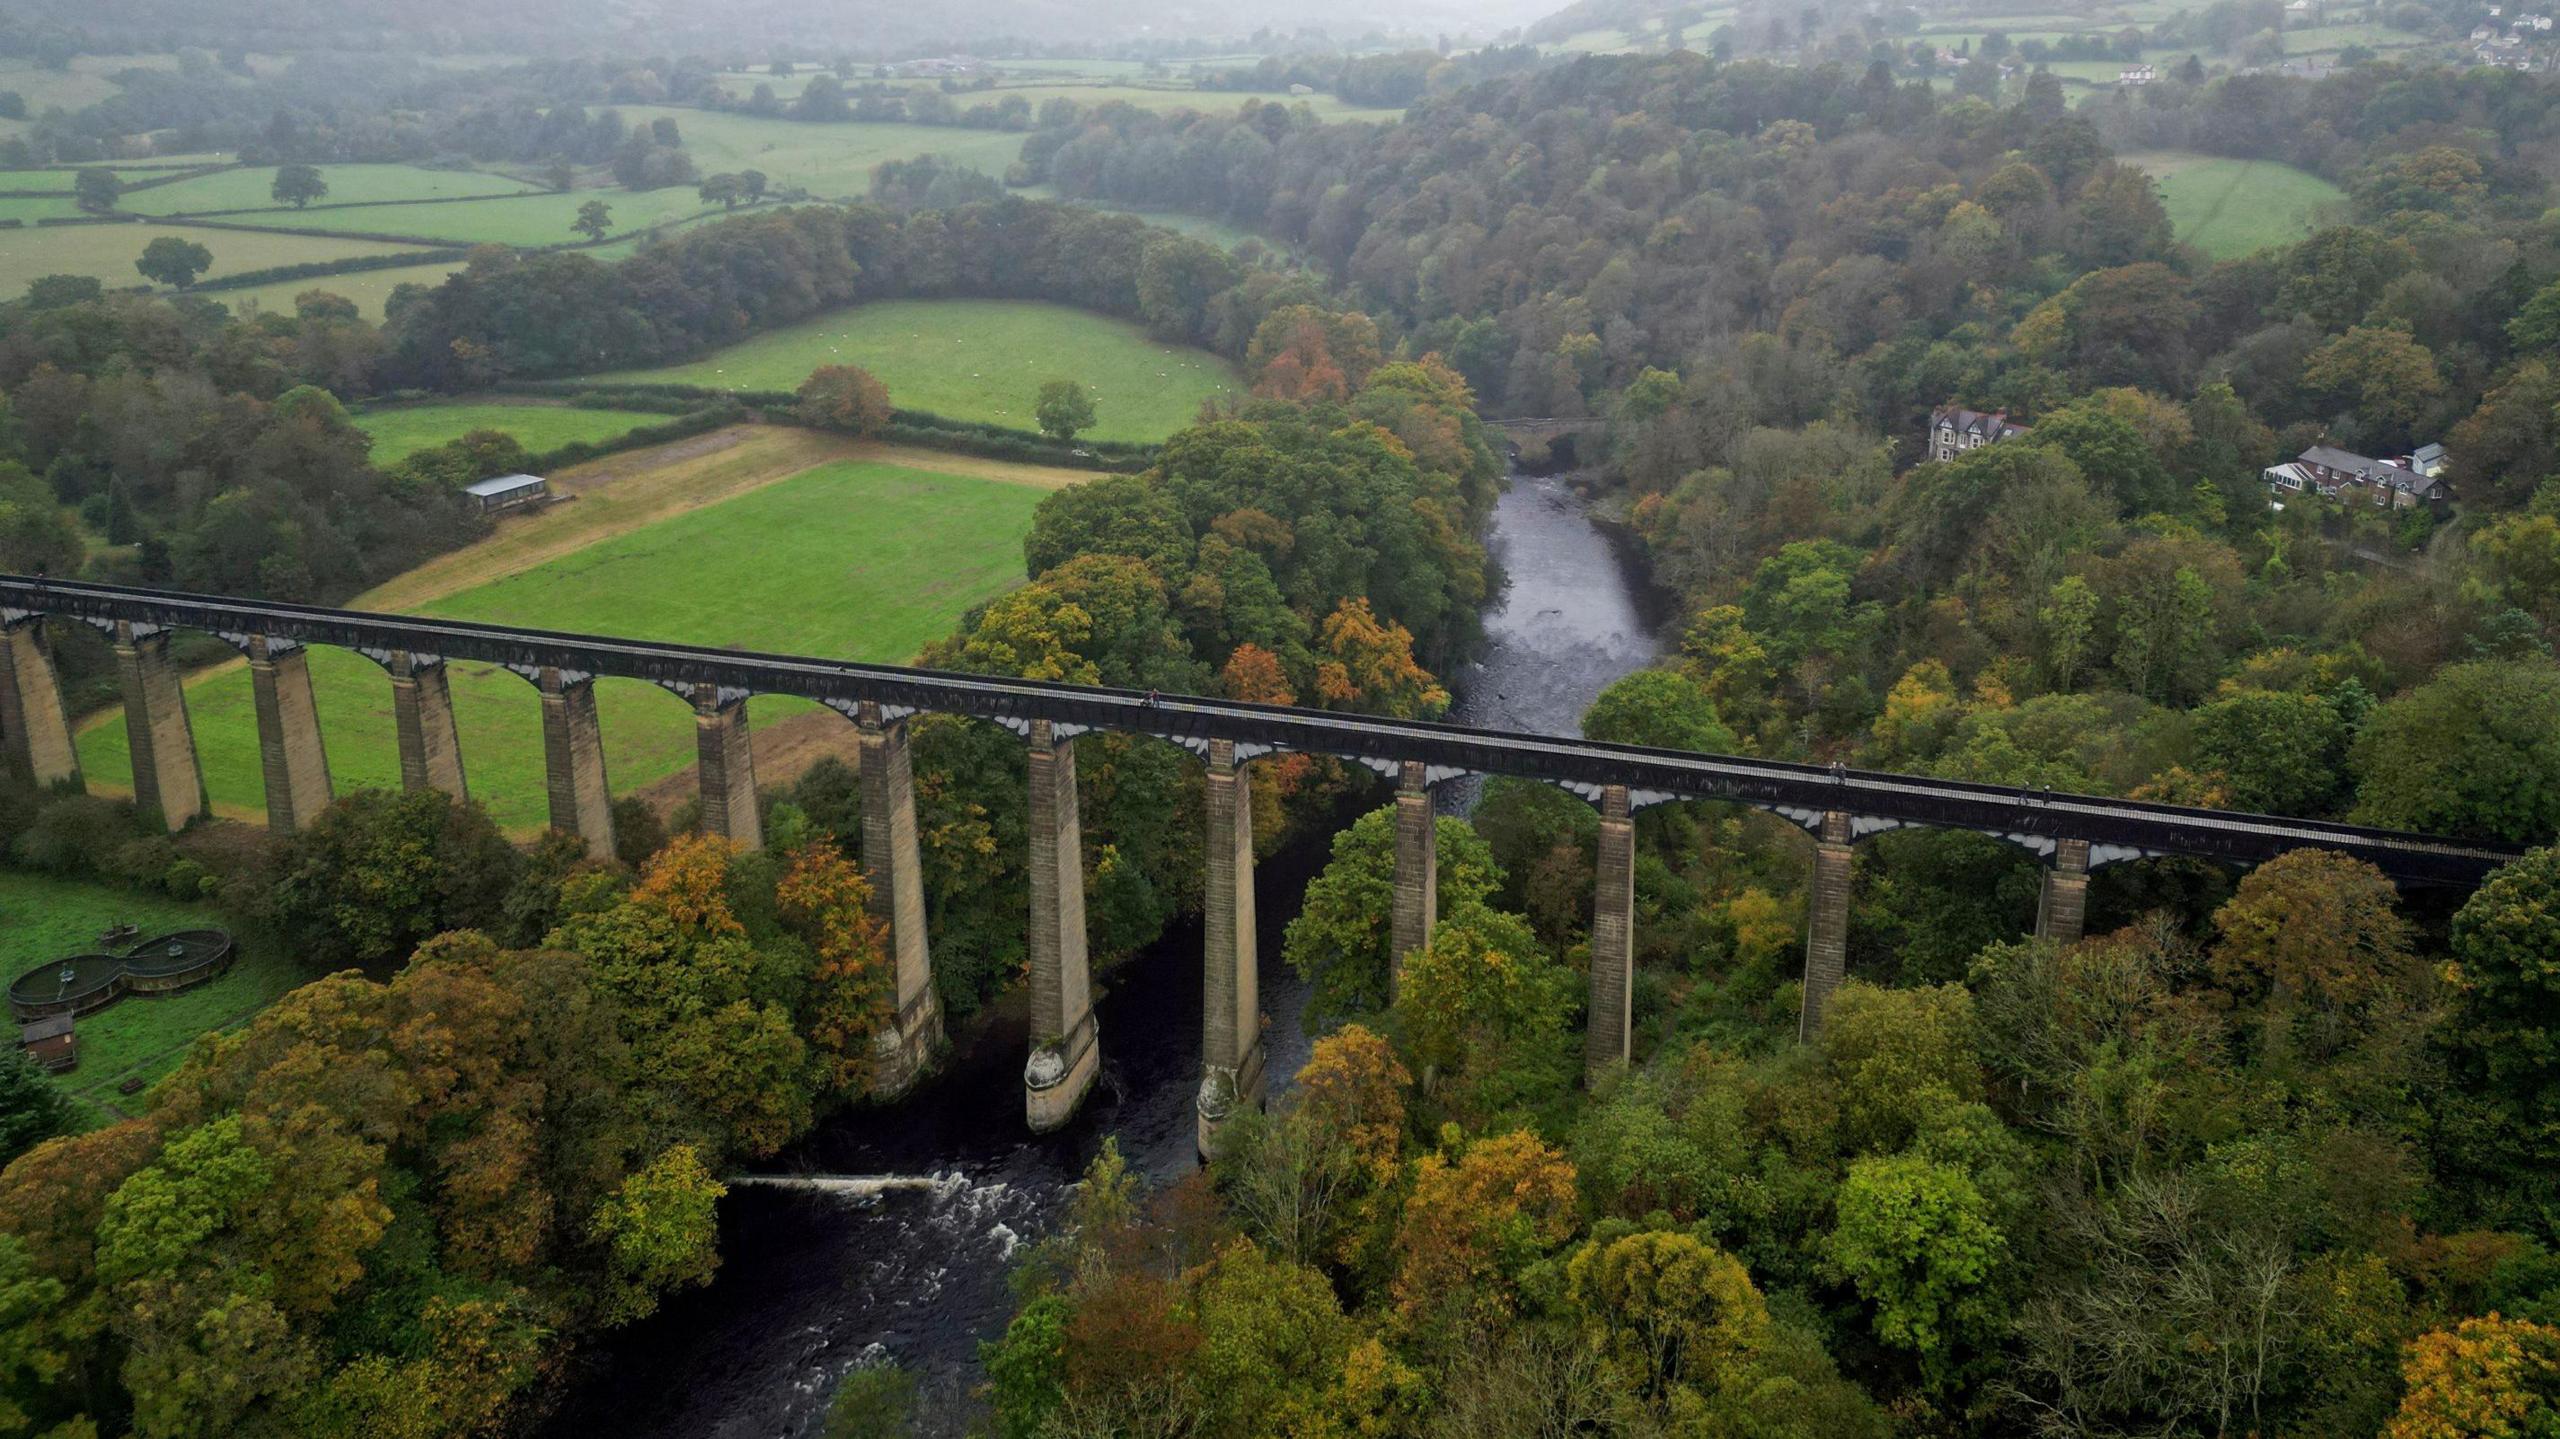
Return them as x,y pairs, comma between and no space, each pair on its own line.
1953,431
2404,483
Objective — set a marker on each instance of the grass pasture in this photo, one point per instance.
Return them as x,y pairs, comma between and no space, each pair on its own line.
857,557
403,430
42,918
979,360
2230,208
251,189
107,252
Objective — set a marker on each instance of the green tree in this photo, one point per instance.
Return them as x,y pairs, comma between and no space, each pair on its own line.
723,190
595,220
1664,709
661,1231
2504,1030
379,871
96,191
174,261
1065,407
2276,753
1916,1239
2069,616
32,1110
1339,940
298,186
2473,752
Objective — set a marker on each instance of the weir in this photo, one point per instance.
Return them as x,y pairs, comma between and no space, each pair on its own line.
2073,834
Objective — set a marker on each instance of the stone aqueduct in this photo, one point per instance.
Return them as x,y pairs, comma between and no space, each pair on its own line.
2072,834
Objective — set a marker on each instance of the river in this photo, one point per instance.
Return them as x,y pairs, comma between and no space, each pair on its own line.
817,1277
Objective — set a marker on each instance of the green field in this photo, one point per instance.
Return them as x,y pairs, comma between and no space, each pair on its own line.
978,360
367,288
107,252
27,209
2230,208
404,430
530,219
251,189
862,560
44,919
832,162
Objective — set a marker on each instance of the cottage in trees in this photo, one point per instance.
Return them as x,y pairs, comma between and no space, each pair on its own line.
1953,431
2403,483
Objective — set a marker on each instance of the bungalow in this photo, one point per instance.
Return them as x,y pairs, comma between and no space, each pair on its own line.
2135,75
2399,484
1953,431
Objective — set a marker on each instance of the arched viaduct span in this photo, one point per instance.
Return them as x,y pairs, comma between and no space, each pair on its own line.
2071,833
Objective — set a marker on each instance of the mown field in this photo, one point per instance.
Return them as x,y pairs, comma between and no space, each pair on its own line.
979,360
107,252
368,289
831,161
44,919
863,559
252,189
404,430
2229,208
531,219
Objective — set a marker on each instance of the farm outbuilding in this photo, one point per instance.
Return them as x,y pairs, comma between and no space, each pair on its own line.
51,1043
506,492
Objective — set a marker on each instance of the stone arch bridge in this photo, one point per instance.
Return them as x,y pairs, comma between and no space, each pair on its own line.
2071,833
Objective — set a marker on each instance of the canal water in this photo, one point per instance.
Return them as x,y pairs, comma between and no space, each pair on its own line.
819,1276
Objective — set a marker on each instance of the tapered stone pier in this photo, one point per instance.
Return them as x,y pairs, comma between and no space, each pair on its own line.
1065,1047
291,757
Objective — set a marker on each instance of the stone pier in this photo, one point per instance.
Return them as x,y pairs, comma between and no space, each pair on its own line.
2062,913
422,712
1065,1049
726,766
166,781
1826,943
32,720
1231,1000
573,759
1417,897
1608,1038
291,756
895,867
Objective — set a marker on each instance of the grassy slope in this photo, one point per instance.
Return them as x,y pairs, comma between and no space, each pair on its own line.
108,251
863,560
252,189
979,360
403,431
43,919
2229,208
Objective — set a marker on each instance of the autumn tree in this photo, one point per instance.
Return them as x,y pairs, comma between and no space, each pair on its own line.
2484,1377
845,397
1368,665
1473,1223
852,991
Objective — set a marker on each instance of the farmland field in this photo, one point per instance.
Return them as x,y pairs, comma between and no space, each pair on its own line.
979,360
42,918
107,252
2229,208
250,189
528,219
856,557
367,288
403,431
830,161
